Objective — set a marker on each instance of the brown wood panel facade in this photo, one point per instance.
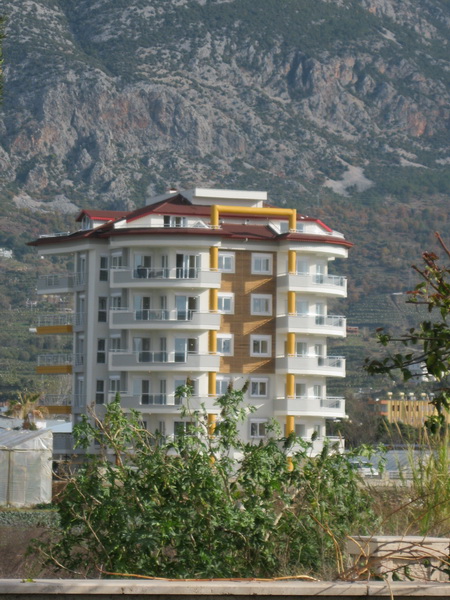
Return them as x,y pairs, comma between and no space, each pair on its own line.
242,324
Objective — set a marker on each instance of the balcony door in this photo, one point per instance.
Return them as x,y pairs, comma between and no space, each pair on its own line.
187,265
185,306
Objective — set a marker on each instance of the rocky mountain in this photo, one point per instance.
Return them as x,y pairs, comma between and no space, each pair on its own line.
340,107
110,102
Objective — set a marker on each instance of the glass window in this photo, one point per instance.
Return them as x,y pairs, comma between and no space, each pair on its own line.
173,221
225,345
103,275
258,429
114,384
259,387
102,309
116,261
222,384
100,391
262,264
226,303
101,351
260,345
226,262
261,304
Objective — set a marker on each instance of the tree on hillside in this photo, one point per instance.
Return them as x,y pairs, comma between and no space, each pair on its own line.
204,504
428,344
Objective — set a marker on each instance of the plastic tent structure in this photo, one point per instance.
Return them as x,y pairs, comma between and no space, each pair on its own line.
25,467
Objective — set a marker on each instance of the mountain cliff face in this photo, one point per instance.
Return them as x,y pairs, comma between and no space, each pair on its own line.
108,103
338,107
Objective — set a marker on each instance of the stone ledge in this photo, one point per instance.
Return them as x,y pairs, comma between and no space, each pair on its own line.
40,589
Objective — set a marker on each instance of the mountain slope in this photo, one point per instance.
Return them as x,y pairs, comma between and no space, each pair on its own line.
338,107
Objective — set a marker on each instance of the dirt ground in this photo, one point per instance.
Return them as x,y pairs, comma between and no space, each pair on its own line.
14,561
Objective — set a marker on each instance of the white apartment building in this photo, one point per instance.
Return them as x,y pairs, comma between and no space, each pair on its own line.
212,285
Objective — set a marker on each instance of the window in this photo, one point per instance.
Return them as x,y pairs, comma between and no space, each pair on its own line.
259,387
226,262
101,351
301,349
225,345
258,428
262,264
300,390
222,384
226,303
261,304
181,428
171,221
102,309
86,222
302,266
100,391
302,307
114,384
116,261
103,275
260,345
300,430
115,302
115,343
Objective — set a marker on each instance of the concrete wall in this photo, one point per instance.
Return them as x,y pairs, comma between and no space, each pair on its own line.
14,589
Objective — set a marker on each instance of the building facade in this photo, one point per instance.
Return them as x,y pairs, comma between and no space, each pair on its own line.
214,286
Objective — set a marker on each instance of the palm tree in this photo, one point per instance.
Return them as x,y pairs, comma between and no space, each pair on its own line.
27,407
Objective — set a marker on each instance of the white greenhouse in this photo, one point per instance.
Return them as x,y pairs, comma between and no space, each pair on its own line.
25,467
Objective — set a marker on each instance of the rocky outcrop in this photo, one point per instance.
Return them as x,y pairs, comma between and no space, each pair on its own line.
112,102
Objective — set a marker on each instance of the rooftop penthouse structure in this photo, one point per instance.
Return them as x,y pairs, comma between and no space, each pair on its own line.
214,286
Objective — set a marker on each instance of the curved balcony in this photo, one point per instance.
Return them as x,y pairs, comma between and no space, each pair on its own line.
327,366
61,283
326,325
305,406
163,319
163,361
317,283
163,278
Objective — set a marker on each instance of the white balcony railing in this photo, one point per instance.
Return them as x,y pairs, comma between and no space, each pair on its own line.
328,325
179,277
331,366
315,282
186,319
330,406
145,359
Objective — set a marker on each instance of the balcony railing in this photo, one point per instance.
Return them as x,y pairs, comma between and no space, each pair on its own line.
56,400
56,319
157,400
187,319
51,360
56,283
186,360
325,365
176,276
311,406
313,282
323,324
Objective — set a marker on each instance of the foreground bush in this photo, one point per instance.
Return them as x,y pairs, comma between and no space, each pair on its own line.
205,504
